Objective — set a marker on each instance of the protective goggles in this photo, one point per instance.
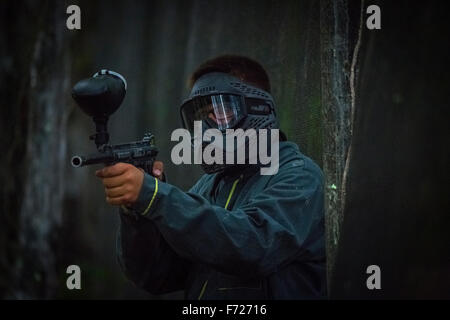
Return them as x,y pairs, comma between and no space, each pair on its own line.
221,111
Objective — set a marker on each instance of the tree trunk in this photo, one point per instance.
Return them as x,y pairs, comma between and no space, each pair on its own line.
340,37
36,86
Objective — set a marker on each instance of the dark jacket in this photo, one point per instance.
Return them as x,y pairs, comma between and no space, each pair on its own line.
234,236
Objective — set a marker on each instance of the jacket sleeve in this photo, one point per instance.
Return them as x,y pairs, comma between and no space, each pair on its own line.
282,223
146,258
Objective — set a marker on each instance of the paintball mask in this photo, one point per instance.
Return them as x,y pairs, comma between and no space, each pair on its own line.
222,101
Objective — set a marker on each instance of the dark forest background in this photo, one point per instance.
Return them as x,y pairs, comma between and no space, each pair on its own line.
369,106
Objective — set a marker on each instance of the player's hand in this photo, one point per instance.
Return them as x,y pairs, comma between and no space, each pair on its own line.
122,183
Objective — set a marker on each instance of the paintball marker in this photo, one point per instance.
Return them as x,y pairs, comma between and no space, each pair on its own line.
99,97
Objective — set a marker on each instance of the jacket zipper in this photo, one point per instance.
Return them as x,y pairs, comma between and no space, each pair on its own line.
231,192
202,291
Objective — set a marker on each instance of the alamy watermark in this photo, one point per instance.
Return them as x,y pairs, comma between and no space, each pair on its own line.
74,280
73,22
214,152
374,280
373,21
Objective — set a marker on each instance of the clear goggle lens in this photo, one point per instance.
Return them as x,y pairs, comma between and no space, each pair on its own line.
221,111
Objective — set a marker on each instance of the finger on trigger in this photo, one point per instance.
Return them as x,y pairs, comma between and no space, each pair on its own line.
158,168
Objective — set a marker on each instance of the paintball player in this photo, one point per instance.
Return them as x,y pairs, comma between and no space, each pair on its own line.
236,234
